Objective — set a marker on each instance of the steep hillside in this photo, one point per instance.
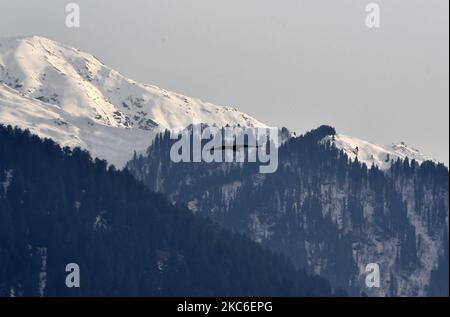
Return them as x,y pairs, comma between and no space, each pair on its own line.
323,210
61,207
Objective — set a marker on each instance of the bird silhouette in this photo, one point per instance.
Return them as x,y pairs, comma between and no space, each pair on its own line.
233,147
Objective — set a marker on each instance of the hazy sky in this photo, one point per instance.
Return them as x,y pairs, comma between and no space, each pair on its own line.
288,63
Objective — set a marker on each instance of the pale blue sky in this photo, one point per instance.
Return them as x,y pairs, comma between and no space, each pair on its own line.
287,62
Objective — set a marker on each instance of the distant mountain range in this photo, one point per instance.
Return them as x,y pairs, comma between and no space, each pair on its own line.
67,95
335,204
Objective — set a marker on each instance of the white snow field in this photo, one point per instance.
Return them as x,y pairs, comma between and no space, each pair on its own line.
59,92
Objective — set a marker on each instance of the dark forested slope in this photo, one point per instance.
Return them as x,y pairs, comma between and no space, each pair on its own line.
58,206
326,213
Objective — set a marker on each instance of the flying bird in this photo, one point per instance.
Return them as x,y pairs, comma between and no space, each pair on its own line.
233,147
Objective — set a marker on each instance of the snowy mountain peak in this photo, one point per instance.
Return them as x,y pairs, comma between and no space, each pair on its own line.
374,154
83,86
61,93
70,96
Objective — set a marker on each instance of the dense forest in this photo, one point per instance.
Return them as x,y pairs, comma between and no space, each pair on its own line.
60,206
325,212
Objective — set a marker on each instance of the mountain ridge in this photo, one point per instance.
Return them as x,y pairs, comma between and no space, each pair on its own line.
59,92
81,93
64,207
326,212
370,154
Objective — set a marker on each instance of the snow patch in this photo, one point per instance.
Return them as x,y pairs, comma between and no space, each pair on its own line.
374,154
42,252
5,184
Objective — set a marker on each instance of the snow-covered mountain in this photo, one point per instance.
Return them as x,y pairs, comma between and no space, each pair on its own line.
70,96
374,154
61,93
